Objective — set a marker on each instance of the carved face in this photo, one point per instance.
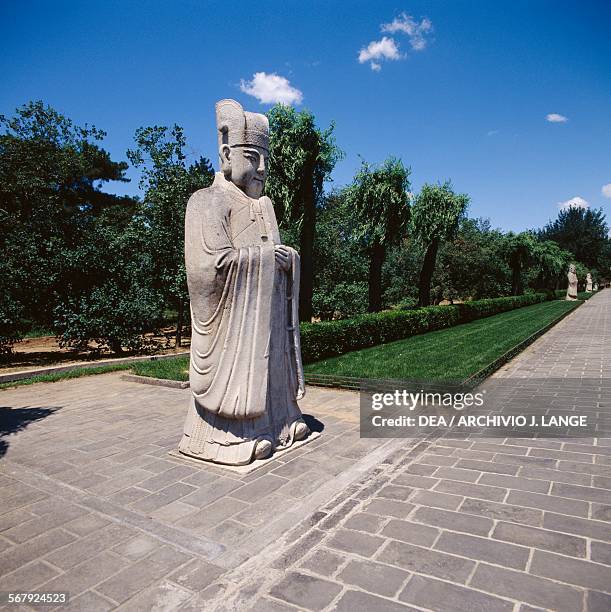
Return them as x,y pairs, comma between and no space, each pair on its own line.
572,268
246,167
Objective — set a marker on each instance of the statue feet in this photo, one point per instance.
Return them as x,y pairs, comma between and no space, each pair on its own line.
300,430
263,449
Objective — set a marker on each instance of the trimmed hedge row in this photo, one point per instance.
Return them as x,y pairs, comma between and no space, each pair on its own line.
331,338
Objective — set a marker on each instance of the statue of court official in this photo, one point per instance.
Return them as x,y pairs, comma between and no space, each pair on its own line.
571,291
246,372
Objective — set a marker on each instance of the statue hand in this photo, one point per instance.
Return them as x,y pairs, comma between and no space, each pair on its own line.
283,257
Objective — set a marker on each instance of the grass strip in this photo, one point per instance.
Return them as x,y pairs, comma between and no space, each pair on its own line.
455,353
169,369
57,376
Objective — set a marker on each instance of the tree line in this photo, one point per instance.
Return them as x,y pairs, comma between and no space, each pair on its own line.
101,270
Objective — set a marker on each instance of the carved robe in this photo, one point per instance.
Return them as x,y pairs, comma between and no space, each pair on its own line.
245,372
571,292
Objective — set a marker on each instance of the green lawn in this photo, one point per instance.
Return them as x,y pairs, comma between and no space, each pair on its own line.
57,376
170,369
450,354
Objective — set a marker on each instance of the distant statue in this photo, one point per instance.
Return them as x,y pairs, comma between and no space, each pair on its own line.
589,283
571,292
246,373
595,286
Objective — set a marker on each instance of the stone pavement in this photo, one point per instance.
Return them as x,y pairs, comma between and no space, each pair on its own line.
92,503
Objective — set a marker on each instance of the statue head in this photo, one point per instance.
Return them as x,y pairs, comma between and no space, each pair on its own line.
572,268
243,140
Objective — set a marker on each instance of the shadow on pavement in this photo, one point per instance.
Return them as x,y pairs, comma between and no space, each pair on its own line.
313,423
13,420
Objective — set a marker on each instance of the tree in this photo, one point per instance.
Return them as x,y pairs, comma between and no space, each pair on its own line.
340,288
474,262
379,195
167,182
301,159
51,173
552,264
519,249
109,298
436,214
583,232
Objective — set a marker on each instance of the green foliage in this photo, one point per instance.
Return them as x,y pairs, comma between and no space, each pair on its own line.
341,300
59,376
470,311
11,316
339,287
51,172
436,212
168,182
110,300
301,159
583,232
328,338
471,265
400,274
379,195
436,215
446,354
552,263
168,369
319,340
519,249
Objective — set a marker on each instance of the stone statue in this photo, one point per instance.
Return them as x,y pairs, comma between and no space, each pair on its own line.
571,292
589,283
595,286
246,373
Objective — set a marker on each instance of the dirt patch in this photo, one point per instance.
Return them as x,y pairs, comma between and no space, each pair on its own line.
44,351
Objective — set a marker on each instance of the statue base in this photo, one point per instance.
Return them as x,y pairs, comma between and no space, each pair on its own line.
250,467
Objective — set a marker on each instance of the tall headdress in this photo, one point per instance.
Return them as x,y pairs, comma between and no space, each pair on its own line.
239,127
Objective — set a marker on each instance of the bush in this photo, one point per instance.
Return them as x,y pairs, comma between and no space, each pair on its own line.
11,326
344,299
110,316
478,309
330,338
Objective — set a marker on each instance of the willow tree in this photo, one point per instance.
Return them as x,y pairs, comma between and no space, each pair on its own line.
520,250
553,263
301,159
379,195
436,214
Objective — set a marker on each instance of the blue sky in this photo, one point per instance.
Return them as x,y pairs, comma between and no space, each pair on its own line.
457,89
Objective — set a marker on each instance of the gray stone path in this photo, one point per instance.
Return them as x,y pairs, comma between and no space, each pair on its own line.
92,503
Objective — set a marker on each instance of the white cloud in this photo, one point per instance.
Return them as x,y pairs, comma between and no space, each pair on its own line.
492,132
556,118
576,202
378,50
416,31
606,190
271,88
387,47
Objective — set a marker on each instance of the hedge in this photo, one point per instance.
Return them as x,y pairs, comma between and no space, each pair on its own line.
331,338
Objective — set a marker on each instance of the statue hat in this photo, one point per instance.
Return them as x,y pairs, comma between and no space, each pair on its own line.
239,127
